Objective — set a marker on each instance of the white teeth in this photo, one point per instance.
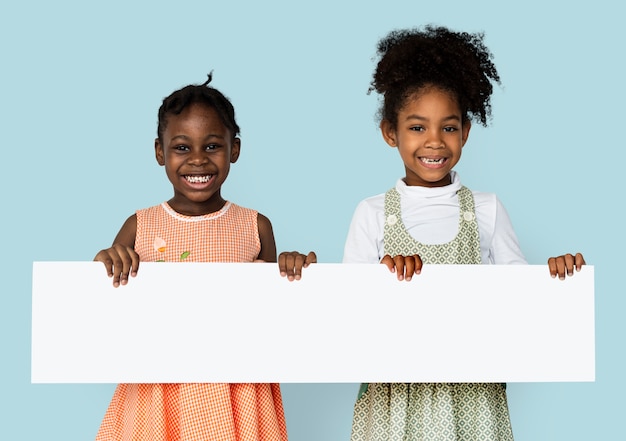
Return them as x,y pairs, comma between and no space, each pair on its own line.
198,179
432,161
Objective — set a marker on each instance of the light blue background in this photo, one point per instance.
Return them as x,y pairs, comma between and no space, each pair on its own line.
80,86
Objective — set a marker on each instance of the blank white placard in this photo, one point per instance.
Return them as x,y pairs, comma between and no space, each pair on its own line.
242,322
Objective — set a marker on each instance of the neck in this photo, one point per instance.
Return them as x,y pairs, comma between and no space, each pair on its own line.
191,208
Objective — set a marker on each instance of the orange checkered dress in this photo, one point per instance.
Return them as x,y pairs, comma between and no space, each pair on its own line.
197,411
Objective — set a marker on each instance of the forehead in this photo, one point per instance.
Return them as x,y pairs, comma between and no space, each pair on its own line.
197,118
431,99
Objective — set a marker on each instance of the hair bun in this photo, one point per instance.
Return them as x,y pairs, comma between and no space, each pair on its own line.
209,78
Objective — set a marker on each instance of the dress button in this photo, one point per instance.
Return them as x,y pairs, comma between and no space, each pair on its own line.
392,219
468,216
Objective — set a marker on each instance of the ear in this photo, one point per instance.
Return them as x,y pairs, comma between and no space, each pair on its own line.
158,152
389,133
235,150
465,132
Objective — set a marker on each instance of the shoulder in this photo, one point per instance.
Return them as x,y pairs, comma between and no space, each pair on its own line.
127,233
131,222
251,217
487,207
239,214
160,208
368,218
372,204
488,202
485,200
263,222
235,208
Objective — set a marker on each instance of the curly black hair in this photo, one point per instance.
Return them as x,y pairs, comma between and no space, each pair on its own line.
178,100
458,62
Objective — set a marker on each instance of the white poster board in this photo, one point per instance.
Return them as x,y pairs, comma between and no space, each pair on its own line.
242,322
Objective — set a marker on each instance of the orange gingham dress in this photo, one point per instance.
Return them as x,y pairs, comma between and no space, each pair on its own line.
196,411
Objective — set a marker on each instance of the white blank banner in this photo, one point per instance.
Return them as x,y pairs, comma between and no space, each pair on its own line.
242,322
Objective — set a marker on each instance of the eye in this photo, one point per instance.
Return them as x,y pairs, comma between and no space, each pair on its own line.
450,129
212,147
181,147
417,128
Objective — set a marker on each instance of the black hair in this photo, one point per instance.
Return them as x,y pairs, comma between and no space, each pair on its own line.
177,101
457,62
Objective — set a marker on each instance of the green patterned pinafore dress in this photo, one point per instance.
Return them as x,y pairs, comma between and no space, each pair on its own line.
432,411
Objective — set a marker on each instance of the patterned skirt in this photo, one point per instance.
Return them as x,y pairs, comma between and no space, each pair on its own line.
196,411
433,412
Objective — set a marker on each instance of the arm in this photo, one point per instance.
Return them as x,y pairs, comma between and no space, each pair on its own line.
266,237
290,263
364,243
496,230
504,248
120,259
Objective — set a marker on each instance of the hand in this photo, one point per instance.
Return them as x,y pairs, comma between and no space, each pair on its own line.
119,261
404,266
290,263
566,263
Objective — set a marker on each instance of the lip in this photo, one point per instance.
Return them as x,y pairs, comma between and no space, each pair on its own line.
198,181
424,161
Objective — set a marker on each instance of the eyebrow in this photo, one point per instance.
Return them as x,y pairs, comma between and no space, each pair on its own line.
423,118
186,138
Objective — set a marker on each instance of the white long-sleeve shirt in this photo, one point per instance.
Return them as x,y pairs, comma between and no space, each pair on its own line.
431,215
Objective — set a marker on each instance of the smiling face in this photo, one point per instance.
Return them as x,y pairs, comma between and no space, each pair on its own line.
430,135
196,149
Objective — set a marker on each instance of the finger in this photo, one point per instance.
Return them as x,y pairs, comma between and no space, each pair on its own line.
282,266
418,264
127,265
134,263
560,267
569,264
409,268
399,264
299,260
580,261
388,261
310,258
104,257
290,262
116,269
552,266
285,263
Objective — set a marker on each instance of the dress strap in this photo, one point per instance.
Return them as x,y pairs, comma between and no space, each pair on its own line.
463,249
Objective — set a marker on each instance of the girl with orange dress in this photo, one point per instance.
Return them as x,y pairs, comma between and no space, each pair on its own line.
197,142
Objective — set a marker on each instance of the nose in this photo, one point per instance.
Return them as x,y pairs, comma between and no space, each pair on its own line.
198,157
435,141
